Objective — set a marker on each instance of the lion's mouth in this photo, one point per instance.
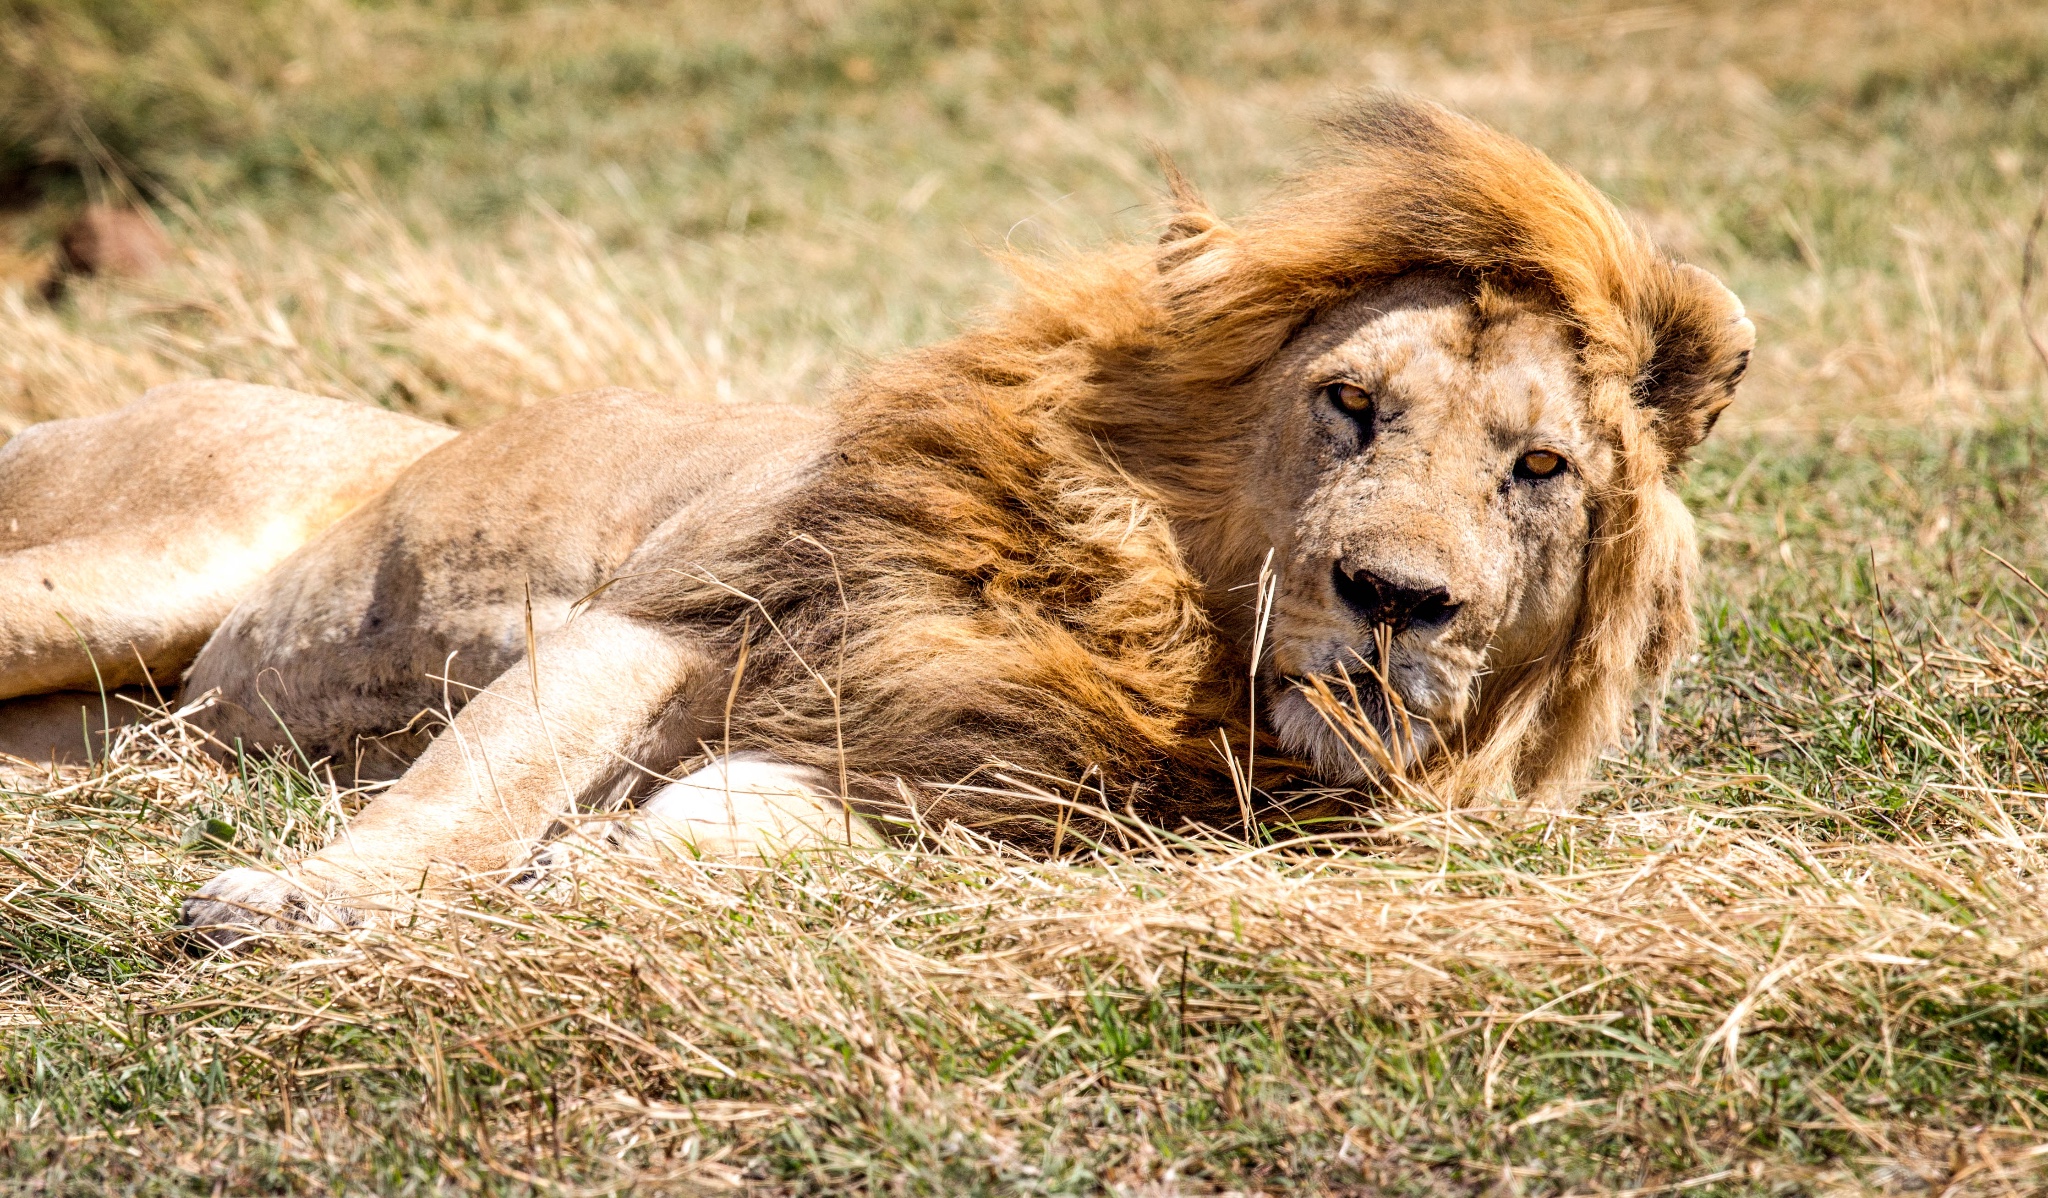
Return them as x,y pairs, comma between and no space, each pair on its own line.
1363,696
1346,686
1351,727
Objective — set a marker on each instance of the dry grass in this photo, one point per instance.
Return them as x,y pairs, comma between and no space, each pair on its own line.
458,214
1800,953
1708,976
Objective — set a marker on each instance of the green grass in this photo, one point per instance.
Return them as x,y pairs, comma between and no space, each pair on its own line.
1799,951
1842,840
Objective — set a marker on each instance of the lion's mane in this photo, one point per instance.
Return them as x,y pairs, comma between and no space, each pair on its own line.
980,593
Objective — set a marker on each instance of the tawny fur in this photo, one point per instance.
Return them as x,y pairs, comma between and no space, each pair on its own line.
1020,564
987,570
126,538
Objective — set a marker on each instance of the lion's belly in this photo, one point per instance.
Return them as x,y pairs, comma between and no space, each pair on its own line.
359,646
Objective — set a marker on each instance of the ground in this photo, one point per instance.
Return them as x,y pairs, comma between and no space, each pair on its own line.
1799,948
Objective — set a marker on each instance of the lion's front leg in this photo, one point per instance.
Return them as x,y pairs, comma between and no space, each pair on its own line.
746,805
613,698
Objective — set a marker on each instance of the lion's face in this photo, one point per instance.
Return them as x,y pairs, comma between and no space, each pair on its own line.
1427,486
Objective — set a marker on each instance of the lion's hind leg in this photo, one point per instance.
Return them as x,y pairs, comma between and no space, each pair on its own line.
127,537
71,727
746,805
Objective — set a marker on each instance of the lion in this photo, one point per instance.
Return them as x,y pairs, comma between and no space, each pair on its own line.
126,538
1374,484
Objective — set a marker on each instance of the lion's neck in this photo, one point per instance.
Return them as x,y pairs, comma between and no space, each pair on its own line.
1231,566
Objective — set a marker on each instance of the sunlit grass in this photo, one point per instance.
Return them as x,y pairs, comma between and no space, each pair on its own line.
1801,951
769,193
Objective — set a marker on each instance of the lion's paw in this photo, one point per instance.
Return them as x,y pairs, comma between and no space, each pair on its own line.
244,904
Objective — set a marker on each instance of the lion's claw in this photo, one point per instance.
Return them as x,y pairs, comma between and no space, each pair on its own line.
242,905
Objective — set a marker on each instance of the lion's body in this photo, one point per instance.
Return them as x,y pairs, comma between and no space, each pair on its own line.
356,646
1407,434
126,539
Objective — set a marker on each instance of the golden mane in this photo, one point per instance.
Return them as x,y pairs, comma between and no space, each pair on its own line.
983,585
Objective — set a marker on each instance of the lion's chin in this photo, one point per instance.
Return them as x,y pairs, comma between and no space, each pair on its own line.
1343,757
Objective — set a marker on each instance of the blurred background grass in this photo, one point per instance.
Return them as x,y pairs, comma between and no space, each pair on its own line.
456,205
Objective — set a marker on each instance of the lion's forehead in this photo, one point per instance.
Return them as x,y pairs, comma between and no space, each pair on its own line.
1501,372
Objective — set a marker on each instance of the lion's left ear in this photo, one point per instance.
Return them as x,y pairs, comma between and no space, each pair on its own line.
1703,342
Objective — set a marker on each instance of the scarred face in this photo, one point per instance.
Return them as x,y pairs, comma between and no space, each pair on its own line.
1431,442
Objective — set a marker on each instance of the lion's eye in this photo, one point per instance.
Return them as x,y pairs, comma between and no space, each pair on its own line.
1349,396
1539,463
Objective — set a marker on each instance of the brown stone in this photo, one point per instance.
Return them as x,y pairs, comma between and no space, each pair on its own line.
113,241
105,240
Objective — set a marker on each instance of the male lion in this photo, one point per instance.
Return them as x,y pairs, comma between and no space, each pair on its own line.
1390,463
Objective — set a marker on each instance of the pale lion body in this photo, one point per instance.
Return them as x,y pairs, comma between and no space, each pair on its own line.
430,584
126,539
1390,462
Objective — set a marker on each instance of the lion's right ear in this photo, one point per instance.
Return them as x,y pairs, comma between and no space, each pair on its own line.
1195,247
1192,216
1703,343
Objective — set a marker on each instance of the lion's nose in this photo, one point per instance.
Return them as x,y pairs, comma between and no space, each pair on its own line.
1400,605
